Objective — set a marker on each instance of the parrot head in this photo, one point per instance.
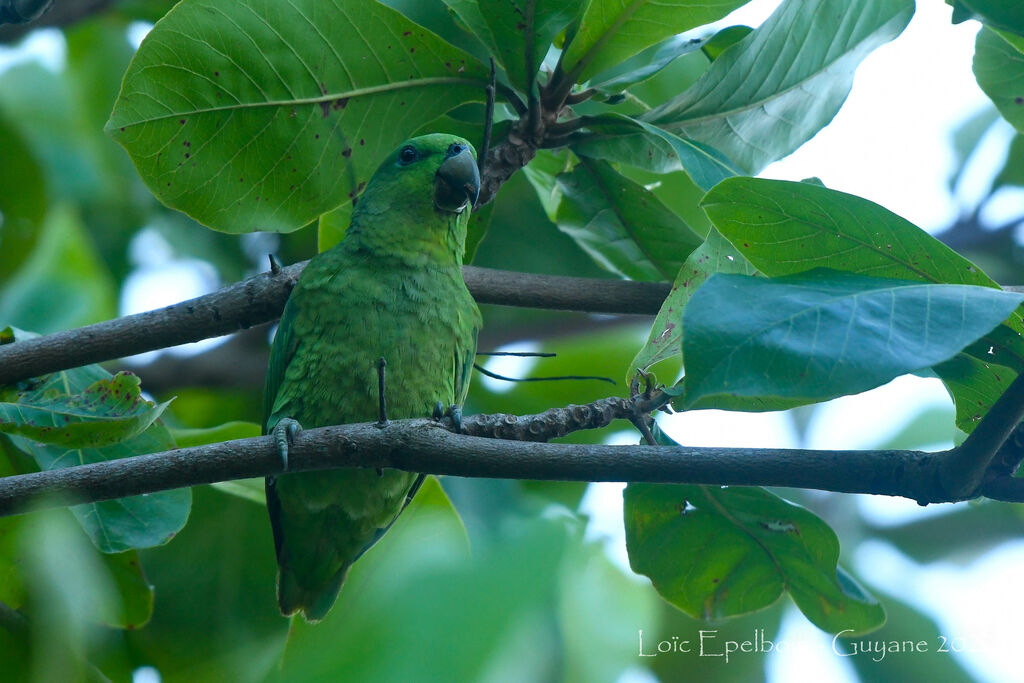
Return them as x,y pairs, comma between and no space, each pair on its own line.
429,182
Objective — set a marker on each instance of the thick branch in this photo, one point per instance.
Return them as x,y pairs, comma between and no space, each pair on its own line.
495,446
426,446
261,299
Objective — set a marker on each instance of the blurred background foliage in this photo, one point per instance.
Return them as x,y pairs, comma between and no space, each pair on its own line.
515,590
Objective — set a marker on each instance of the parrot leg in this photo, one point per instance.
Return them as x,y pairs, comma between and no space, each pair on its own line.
284,434
382,419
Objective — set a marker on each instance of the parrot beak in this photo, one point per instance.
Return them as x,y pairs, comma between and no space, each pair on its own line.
457,181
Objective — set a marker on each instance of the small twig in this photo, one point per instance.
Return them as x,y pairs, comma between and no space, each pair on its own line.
563,129
582,96
485,144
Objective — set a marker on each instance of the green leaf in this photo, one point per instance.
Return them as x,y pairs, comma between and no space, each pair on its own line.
723,40
999,68
63,283
331,227
721,552
784,82
108,411
259,115
785,227
656,150
114,525
974,385
621,224
136,604
542,172
479,221
716,255
23,201
121,524
612,30
645,64
821,334
471,20
998,14
526,29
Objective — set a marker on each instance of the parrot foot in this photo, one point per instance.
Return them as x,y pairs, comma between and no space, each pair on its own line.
284,434
453,411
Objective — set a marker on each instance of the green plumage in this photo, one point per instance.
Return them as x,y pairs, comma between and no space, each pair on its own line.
392,288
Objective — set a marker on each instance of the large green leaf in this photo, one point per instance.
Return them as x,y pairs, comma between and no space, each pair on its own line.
259,115
63,283
525,29
784,82
974,386
821,334
999,68
716,255
786,227
124,523
107,411
621,224
645,64
721,552
612,30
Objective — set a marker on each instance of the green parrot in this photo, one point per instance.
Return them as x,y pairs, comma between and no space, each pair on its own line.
392,289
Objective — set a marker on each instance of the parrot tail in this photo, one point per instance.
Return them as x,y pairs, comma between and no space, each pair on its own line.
314,603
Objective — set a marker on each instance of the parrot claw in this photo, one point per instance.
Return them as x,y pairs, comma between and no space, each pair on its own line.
453,412
284,434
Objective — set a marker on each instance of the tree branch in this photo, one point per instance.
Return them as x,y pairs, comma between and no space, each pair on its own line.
261,299
966,467
487,449
426,446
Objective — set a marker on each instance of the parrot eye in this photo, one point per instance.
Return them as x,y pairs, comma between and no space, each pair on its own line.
407,155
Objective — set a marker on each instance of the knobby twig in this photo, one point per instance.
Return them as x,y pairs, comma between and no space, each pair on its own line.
261,299
494,446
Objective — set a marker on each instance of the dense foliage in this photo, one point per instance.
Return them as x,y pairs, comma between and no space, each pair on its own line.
642,147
